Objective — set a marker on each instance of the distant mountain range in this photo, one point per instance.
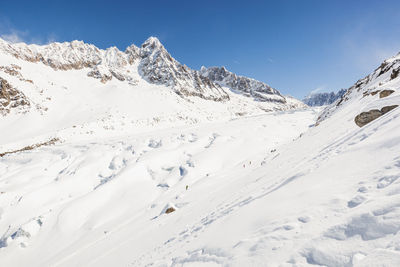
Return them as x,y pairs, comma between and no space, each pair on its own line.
322,99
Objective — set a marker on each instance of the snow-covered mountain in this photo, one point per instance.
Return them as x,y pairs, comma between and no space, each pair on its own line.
243,85
110,90
106,164
373,95
321,99
150,62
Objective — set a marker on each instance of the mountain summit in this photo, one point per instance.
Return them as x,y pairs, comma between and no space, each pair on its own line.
150,62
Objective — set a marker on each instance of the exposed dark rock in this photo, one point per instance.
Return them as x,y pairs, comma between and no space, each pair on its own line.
10,97
388,108
366,117
395,73
375,92
169,210
385,93
31,147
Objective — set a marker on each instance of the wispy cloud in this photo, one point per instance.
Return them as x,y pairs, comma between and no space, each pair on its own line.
12,37
10,34
318,89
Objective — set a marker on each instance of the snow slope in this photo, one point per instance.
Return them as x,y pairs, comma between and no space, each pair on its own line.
248,188
329,196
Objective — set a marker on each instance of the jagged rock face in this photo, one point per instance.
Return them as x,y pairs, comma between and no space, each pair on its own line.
157,66
11,98
153,63
247,86
14,70
322,99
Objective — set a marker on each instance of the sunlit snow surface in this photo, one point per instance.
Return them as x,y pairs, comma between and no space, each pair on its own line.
249,188
329,197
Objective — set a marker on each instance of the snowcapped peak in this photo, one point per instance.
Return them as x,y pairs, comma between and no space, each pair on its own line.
77,43
152,62
152,42
132,47
393,58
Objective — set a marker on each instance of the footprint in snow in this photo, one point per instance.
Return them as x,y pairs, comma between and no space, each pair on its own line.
357,200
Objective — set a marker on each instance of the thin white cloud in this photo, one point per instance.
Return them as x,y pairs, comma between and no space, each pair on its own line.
10,34
318,89
12,38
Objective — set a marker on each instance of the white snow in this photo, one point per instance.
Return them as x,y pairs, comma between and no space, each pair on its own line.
249,188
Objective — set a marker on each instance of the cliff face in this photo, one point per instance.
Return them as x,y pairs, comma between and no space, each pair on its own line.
243,85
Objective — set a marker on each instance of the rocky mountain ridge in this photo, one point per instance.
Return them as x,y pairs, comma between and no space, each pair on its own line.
152,61
247,86
322,99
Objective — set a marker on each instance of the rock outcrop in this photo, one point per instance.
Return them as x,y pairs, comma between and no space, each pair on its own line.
366,117
11,98
157,66
385,93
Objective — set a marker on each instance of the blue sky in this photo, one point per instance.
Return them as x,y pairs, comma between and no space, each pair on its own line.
295,46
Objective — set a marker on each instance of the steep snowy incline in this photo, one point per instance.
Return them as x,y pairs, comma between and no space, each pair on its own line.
374,95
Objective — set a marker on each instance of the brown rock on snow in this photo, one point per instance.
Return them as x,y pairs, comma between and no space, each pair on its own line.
169,210
10,97
366,117
385,93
